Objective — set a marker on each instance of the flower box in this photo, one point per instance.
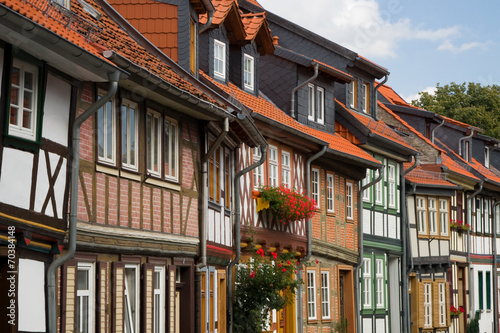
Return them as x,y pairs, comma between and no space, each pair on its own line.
286,205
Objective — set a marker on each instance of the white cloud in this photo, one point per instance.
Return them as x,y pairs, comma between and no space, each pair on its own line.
412,97
447,45
364,26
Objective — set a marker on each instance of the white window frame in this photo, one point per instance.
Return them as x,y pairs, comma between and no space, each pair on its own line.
108,111
311,101
391,185
258,172
442,303
133,317
421,215
379,282
88,293
351,93
366,180
379,189
129,149
366,94
325,295
443,216
315,186
432,210
311,295
479,215
273,166
19,130
349,200
172,144
427,304
248,72
159,300
219,59
367,283
154,160
286,174
486,215
320,112
330,193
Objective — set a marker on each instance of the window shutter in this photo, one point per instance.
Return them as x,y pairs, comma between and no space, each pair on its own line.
420,293
102,286
435,304
171,269
203,300
118,296
147,294
69,281
221,324
447,302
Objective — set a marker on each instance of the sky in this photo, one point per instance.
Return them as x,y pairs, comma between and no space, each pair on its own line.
421,42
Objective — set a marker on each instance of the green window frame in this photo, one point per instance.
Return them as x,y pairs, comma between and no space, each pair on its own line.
379,281
480,289
488,290
380,187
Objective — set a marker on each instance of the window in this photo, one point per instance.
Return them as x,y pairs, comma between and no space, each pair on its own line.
379,282
248,76
480,289
320,116
85,298
431,206
353,94
443,216
219,59
349,201
23,100
325,295
171,151
315,186
427,304
311,295
479,216
159,300
488,290
486,215
442,303
421,215
330,193
129,135
311,100
367,281
379,188
227,178
366,180
258,172
273,166
286,178
487,157
366,98
391,186
106,132
153,138
131,300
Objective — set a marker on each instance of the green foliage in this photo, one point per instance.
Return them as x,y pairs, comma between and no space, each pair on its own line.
288,204
470,103
473,325
262,286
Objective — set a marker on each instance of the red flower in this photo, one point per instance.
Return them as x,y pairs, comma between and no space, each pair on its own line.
298,263
261,252
274,255
288,262
279,265
252,275
461,309
317,261
284,270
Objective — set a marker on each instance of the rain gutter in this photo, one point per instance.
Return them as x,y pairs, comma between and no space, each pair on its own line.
434,130
374,102
460,143
294,91
210,15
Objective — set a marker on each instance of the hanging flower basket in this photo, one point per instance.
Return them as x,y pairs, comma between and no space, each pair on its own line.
456,312
286,204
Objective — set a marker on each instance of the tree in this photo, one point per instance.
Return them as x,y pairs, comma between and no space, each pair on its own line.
470,103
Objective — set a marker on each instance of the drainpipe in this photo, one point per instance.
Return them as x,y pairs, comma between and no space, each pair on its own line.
294,91
75,163
360,242
469,213
309,236
210,15
405,237
495,274
374,102
434,130
460,143
237,227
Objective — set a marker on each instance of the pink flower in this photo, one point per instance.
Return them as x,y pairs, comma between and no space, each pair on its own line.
317,262
252,275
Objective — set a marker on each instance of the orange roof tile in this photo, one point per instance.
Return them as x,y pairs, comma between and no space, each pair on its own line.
266,108
393,97
490,175
253,23
461,124
422,176
454,166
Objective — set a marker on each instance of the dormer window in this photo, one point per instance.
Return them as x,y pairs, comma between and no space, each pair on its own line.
320,115
316,103
248,72
366,98
353,94
487,157
219,59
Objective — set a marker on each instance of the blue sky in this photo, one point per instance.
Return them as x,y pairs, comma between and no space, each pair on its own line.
421,42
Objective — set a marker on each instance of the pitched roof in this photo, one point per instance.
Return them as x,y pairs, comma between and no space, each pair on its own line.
257,29
393,97
429,177
227,13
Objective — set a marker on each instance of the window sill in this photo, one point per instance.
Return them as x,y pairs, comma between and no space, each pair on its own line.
163,183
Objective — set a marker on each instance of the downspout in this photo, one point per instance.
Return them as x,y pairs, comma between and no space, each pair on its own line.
294,91
309,236
75,164
374,102
434,130
469,212
495,274
237,227
210,15
460,142
405,239
360,241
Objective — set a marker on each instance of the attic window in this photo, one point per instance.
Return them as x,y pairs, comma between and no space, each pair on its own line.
249,72
91,10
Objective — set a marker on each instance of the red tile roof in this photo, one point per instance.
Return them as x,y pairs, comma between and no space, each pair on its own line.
393,97
269,110
457,168
430,176
490,175
252,23
461,124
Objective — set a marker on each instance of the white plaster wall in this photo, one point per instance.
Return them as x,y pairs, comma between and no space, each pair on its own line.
31,295
434,246
42,185
423,245
366,221
380,325
217,228
211,225
391,226
444,246
15,180
367,325
413,242
56,110
379,224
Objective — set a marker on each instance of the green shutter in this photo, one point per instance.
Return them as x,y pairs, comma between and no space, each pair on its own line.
481,290
488,290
